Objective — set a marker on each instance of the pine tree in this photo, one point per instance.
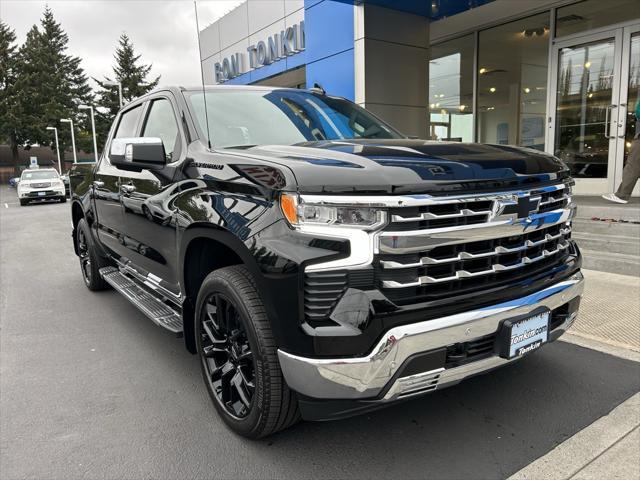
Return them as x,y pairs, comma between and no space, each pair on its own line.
132,74
9,114
51,85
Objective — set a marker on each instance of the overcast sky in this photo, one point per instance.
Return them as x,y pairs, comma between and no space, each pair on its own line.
163,31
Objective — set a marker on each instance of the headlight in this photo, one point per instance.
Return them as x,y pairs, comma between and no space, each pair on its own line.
299,213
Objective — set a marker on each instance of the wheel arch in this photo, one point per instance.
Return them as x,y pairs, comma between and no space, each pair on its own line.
197,261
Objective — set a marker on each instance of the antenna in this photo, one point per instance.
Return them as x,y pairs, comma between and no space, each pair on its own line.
204,96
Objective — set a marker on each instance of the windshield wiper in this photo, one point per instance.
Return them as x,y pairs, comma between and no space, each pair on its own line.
241,147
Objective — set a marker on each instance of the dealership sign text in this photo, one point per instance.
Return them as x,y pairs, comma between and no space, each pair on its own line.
279,45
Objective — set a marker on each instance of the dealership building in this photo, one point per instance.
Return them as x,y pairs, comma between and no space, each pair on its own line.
559,76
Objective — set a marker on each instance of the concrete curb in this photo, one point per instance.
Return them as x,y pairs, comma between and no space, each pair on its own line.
602,345
574,457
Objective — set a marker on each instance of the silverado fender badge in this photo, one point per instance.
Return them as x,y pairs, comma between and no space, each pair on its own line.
212,166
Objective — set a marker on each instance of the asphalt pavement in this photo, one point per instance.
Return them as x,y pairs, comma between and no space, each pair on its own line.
90,388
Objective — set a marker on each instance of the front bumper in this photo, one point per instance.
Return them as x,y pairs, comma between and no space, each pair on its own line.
55,192
381,376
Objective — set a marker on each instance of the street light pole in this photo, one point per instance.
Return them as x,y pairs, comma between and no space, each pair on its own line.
93,129
73,138
55,132
119,85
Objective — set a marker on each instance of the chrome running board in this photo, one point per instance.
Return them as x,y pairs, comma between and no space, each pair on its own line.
149,304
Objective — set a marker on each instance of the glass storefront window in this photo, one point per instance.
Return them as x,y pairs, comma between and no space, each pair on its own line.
451,90
512,82
591,14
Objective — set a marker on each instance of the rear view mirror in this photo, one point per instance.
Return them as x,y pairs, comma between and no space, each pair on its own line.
137,153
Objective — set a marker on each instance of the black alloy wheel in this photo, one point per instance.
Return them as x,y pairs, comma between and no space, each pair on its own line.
90,261
239,356
227,355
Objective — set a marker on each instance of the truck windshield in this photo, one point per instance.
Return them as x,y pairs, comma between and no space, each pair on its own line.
240,118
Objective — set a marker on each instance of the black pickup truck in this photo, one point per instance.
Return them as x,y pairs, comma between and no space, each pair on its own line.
320,263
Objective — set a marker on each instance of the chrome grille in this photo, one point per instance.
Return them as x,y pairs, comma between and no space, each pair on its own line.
475,259
40,185
451,246
445,213
554,200
441,215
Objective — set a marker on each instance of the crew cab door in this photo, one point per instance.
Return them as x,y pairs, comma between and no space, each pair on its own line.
106,188
150,231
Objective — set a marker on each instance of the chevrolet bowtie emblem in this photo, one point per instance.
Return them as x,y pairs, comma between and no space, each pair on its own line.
522,206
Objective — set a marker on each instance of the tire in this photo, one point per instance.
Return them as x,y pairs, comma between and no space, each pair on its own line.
63,199
90,261
24,202
147,213
224,344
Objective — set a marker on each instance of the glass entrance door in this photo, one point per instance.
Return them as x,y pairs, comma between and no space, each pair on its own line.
628,125
596,80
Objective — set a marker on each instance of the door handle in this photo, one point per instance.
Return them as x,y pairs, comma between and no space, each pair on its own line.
622,117
607,124
98,183
127,188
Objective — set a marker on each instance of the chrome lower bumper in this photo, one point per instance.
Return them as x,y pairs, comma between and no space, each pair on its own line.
366,377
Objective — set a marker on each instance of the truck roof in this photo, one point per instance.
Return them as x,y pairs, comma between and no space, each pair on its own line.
177,89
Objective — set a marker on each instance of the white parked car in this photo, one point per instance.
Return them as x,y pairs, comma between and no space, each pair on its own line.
40,184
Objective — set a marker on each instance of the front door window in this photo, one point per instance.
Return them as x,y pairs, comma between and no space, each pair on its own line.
161,123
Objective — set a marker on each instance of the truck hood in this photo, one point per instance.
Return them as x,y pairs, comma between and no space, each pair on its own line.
409,166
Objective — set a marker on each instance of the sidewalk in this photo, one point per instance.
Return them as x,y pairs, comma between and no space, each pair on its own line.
609,321
606,449
610,309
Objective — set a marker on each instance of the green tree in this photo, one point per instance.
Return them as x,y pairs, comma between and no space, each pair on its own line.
51,85
9,114
132,74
